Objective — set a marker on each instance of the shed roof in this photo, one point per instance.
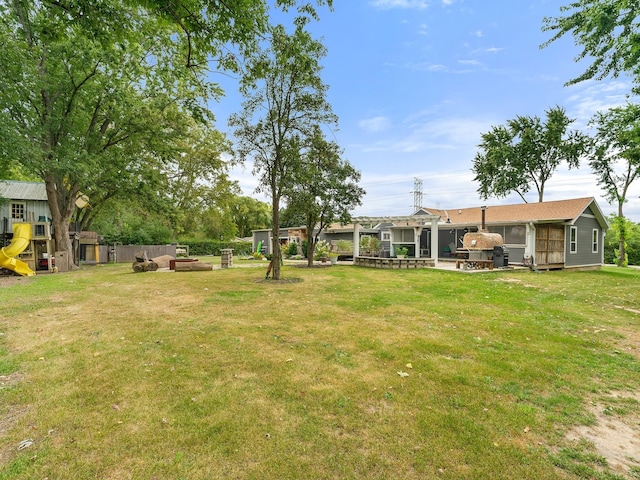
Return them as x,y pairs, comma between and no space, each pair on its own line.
17,190
539,212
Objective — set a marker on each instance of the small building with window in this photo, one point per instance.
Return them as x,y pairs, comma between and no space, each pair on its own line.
26,202
550,235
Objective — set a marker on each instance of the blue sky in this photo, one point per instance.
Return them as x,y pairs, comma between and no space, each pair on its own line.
416,82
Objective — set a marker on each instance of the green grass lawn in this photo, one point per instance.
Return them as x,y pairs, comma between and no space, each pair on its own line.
350,373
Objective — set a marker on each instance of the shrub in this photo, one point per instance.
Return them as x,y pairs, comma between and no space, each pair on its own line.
344,245
291,249
322,250
214,247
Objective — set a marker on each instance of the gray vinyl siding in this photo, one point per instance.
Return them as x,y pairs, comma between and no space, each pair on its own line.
584,256
262,236
516,254
334,237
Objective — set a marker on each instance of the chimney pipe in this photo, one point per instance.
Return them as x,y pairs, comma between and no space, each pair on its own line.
483,208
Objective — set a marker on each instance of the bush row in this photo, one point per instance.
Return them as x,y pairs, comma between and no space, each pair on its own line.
214,247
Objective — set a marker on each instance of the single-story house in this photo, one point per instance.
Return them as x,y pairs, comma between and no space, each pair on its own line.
556,234
262,238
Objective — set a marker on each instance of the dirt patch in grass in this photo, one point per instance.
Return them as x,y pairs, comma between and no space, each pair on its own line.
614,436
279,281
9,280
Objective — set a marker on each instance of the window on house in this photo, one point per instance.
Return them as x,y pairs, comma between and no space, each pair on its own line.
594,242
516,235
386,236
573,240
403,235
17,211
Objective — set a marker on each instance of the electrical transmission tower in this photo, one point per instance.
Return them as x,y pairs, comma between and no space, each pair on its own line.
417,194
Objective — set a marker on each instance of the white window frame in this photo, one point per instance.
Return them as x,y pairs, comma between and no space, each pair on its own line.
16,206
386,236
595,241
573,240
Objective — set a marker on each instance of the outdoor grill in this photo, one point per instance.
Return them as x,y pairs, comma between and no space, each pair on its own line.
500,256
480,245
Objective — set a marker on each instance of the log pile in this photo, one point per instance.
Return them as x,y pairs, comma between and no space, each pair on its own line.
144,264
193,266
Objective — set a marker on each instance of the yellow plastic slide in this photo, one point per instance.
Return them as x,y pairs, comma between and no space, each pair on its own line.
20,242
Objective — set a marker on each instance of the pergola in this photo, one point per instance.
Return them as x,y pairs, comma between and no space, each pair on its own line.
417,222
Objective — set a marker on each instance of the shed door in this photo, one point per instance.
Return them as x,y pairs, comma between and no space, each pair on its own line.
549,244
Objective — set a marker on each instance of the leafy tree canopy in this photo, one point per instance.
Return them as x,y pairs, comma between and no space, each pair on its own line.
324,187
249,214
608,32
90,89
622,227
524,154
285,99
616,156
616,160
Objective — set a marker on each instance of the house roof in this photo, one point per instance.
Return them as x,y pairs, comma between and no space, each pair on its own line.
15,190
539,212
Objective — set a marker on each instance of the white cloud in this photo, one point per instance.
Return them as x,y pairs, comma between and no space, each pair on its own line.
469,62
246,180
494,49
590,97
406,4
478,33
375,124
426,67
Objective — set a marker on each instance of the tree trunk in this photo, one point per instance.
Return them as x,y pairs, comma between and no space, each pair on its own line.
622,227
311,240
311,248
275,260
60,218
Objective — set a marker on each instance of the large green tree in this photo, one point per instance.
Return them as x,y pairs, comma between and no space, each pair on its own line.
170,174
89,84
631,233
249,214
608,32
616,158
285,100
80,101
524,154
324,189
